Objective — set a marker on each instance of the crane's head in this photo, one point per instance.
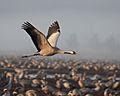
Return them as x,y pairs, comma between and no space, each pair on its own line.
70,52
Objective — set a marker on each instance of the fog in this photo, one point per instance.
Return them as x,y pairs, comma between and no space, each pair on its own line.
90,27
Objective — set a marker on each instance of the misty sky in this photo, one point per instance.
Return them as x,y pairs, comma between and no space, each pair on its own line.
91,27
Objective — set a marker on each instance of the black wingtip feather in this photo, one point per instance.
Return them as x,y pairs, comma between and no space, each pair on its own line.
26,25
55,23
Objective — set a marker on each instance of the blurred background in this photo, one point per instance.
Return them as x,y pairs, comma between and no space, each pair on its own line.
91,27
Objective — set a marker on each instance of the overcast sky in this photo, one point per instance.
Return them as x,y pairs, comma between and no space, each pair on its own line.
91,27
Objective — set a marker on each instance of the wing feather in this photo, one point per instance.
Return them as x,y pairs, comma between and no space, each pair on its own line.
53,33
37,37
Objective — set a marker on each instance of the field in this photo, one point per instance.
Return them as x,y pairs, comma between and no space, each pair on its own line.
58,77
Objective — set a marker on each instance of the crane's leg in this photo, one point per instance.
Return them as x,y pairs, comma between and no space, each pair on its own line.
30,55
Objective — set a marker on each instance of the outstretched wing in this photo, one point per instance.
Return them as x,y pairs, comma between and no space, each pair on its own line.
37,37
53,34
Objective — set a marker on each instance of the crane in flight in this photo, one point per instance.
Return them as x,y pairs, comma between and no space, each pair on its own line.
46,46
